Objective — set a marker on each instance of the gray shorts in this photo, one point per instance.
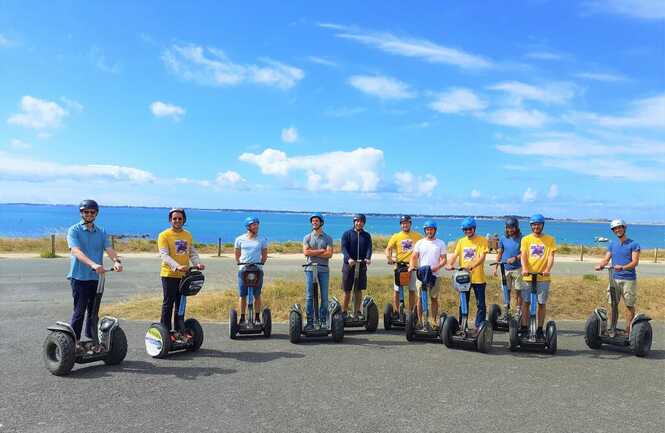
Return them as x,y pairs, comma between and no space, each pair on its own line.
542,291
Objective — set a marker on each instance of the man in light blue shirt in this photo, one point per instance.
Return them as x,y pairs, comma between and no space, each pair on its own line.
251,249
87,243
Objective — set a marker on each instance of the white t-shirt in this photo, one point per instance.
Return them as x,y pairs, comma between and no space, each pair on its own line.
430,252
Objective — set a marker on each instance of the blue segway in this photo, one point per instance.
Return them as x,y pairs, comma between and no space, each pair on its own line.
531,340
498,319
424,330
251,276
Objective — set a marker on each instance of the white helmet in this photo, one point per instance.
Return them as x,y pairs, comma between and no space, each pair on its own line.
617,223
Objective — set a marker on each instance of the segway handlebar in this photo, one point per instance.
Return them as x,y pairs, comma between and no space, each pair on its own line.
605,268
245,263
320,265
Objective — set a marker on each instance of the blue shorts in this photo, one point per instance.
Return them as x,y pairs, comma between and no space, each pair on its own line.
542,292
243,290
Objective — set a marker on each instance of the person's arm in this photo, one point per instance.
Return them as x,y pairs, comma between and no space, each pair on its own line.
345,247
306,250
389,251
479,261
442,260
368,256
525,261
117,263
328,251
194,257
635,260
236,253
264,255
452,261
604,261
499,254
413,263
163,246
550,263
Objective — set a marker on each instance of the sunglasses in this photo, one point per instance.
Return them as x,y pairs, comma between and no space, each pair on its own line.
177,219
468,230
89,212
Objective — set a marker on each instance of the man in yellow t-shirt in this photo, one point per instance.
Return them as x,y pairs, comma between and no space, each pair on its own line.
403,242
471,250
176,249
538,257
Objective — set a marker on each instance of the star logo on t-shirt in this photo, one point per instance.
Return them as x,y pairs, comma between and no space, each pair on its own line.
537,250
469,253
407,244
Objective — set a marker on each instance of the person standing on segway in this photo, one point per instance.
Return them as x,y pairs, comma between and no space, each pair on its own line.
87,243
510,255
537,251
357,251
471,251
403,243
249,248
176,249
318,248
429,251
625,255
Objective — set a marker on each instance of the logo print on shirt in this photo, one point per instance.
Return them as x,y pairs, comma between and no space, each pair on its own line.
180,247
469,253
537,250
407,244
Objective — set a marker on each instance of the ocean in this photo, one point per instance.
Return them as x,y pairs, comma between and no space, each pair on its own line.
26,220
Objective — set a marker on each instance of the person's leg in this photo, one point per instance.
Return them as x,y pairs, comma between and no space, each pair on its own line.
309,299
347,286
242,297
80,303
90,321
467,295
362,285
324,280
526,306
174,288
167,305
434,297
543,293
481,312
413,289
395,297
629,291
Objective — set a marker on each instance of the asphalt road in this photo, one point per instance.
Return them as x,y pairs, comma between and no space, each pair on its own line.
370,382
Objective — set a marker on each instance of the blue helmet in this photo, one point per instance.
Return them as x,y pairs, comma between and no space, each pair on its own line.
430,224
537,219
316,215
251,220
469,223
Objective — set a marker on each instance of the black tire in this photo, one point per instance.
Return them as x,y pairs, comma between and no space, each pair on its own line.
118,347
551,337
295,326
641,335
592,332
337,328
410,326
233,324
449,329
494,314
59,353
388,316
484,341
266,319
157,341
194,327
441,320
513,337
372,317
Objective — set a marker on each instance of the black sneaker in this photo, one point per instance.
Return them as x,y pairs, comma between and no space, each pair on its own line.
539,334
309,327
242,320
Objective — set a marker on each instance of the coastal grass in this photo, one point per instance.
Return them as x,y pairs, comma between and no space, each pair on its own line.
570,298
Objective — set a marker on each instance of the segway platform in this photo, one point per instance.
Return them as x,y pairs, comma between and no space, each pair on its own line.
251,276
530,340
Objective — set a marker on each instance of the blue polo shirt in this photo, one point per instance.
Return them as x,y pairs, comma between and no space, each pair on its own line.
511,248
622,254
92,243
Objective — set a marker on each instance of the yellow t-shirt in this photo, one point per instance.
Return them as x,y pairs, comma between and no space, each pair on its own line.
404,243
178,245
469,250
538,250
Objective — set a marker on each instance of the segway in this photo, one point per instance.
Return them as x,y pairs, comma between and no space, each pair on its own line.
456,334
108,345
424,330
334,323
188,334
369,318
499,321
390,316
251,276
530,339
596,332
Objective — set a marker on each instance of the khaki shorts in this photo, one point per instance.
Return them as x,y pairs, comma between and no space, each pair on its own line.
626,289
514,280
434,291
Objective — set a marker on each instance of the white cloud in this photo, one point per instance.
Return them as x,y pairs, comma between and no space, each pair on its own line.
345,111
601,76
289,135
322,61
357,170
645,9
457,100
644,113
17,144
71,104
38,114
475,193
381,86
545,55
411,47
518,118
229,178
553,191
408,183
210,66
551,93
529,195
4,41
164,109
608,168
102,63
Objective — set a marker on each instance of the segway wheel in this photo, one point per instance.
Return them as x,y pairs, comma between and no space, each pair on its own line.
550,335
494,313
337,328
372,317
295,326
59,353
441,320
266,319
592,331
641,335
448,330
513,337
388,316
410,326
157,341
233,324
484,341
194,327
118,347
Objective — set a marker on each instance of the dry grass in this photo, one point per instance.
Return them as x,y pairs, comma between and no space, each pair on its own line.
570,298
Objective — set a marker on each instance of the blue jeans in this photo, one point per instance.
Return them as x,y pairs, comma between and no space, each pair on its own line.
84,293
479,293
242,289
324,278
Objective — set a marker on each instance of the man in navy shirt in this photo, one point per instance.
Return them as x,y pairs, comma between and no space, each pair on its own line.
357,251
625,255
509,254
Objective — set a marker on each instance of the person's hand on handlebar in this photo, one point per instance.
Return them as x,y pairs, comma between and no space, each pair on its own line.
545,273
117,266
449,267
351,262
391,261
494,272
368,262
182,268
98,268
511,260
618,268
599,268
200,266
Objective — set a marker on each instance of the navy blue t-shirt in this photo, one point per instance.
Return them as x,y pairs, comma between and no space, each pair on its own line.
511,248
622,254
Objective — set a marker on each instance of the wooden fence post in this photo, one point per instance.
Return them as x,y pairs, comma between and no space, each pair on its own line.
53,245
655,256
113,242
581,252
219,247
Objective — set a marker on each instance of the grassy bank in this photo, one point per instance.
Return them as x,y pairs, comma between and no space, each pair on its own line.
570,298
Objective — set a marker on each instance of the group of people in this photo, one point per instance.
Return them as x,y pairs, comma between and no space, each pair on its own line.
521,256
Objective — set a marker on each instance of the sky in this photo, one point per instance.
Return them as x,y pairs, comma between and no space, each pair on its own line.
466,108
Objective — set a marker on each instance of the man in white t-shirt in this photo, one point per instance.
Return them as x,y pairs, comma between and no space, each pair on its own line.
429,251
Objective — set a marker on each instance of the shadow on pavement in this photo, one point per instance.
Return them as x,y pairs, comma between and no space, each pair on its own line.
367,342
255,357
147,368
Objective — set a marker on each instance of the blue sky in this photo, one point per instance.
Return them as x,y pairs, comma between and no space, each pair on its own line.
475,108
